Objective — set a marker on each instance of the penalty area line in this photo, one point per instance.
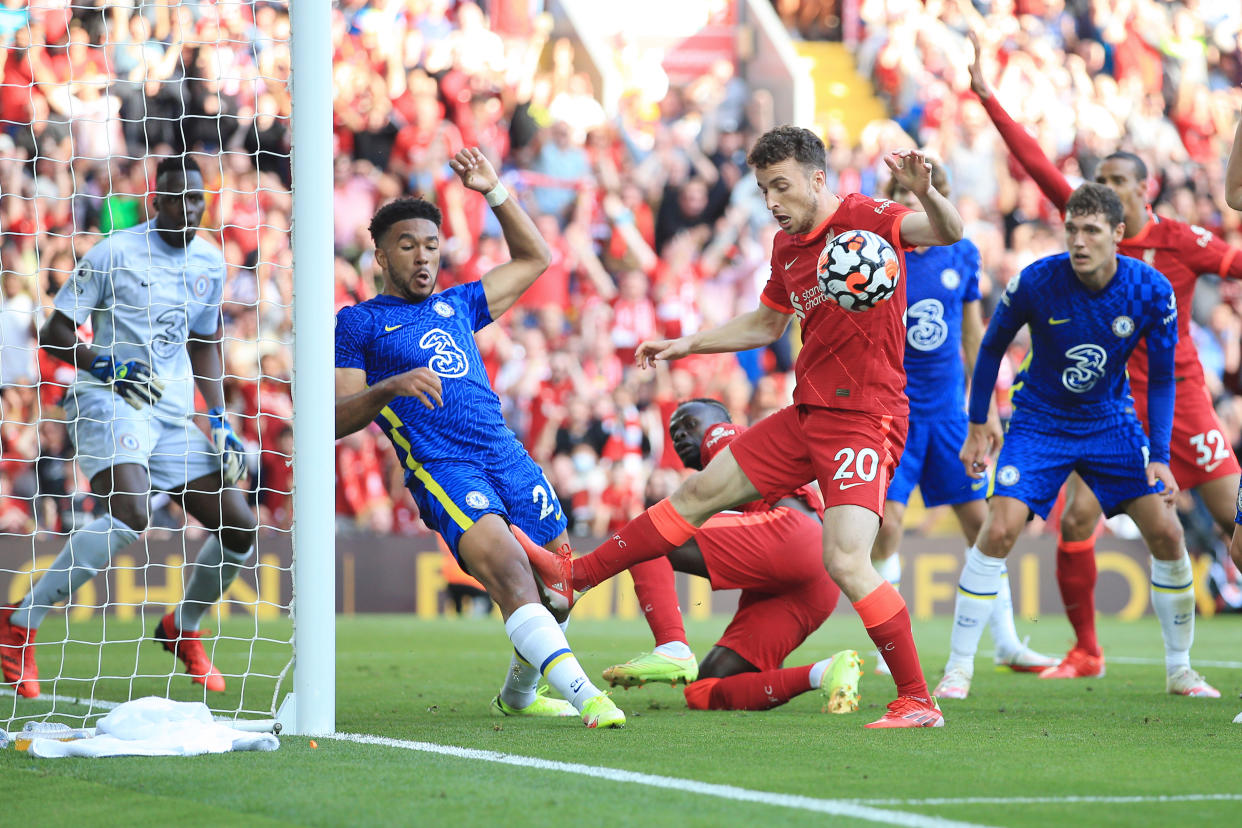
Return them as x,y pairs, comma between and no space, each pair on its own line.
836,807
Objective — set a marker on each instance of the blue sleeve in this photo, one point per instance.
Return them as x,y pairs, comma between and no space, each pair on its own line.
1161,348
475,297
349,339
970,271
1008,319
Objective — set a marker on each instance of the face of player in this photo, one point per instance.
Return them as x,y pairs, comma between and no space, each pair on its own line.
1120,176
1092,245
179,206
793,195
686,429
410,259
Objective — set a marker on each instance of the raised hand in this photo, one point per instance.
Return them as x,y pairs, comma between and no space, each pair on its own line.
977,83
474,170
911,170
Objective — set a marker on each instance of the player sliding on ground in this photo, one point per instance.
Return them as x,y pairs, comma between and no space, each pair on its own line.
152,293
943,329
770,551
1087,310
408,360
847,425
1200,455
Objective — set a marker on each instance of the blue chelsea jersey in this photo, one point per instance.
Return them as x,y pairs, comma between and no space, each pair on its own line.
386,336
939,281
1080,341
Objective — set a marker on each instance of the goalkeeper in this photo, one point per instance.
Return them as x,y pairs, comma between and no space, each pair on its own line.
152,294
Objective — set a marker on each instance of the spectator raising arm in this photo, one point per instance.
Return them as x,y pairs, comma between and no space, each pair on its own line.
1233,172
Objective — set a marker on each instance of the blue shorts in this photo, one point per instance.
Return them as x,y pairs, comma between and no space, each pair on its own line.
453,494
931,462
1110,454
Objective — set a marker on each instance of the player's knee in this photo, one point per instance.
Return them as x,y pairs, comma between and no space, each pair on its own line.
699,693
999,536
239,540
1166,540
1078,524
130,511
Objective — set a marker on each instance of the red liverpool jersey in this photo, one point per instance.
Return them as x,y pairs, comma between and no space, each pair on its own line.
1181,252
720,435
849,359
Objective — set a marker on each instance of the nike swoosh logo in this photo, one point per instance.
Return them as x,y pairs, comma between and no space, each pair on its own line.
845,486
390,328
978,485
789,264
1052,321
1212,467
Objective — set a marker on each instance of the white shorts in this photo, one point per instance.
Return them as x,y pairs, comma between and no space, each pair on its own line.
106,431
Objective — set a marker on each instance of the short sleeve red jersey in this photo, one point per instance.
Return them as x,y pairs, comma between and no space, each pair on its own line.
848,359
1182,252
720,435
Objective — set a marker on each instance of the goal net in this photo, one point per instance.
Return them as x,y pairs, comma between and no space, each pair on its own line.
95,95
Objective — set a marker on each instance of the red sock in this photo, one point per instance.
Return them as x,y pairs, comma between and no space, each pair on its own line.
656,588
653,534
887,620
749,691
1076,576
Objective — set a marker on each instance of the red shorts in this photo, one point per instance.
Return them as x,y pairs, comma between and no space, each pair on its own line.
775,559
1198,449
852,454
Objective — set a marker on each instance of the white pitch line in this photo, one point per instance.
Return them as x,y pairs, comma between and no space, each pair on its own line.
256,725
1223,665
78,700
836,807
1057,800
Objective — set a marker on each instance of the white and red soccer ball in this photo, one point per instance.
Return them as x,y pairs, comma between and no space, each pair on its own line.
858,270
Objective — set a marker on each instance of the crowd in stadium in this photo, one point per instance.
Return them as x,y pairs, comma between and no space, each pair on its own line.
656,225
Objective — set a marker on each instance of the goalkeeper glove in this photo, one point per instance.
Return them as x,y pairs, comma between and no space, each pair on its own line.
232,451
131,380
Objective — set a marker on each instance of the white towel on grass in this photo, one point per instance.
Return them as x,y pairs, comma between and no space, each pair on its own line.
157,727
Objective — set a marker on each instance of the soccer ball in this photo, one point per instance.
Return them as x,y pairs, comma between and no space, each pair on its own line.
858,270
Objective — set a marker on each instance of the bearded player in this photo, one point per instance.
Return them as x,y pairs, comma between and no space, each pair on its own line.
1200,455
408,360
847,424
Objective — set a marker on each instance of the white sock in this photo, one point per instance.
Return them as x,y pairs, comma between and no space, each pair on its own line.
1173,599
87,551
976,598
890,569
818,669
536,635
213,573
1000,623
520,683
675,649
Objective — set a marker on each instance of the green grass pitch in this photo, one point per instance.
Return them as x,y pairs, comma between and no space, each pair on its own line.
1078,748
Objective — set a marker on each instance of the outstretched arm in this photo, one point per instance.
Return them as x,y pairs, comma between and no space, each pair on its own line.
760,327
530,254
1025,148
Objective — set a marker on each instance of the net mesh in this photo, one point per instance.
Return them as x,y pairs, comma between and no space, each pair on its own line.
94,95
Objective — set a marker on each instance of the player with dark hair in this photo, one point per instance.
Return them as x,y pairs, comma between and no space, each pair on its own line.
1200,455
408,361
771,553
1087,310
847,424
152,293
943,329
